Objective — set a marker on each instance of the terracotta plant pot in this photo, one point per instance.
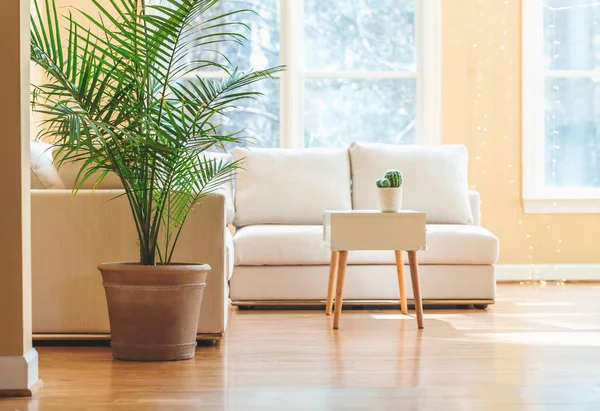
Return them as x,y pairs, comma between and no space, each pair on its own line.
390,199
153,310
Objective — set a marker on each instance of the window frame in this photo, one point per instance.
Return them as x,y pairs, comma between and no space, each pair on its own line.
537,197
427,74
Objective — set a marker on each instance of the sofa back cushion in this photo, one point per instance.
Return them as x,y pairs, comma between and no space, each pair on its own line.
68,173
282,186
435,179
69,170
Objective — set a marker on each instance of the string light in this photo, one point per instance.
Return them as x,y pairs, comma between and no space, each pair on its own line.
494,36
497,133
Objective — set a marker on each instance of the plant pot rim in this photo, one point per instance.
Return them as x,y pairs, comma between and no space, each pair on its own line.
174,267
389,188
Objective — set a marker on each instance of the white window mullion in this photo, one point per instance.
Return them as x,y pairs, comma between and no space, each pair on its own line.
429,81
573,73
218,75
534,97
206,74
292,90
362,74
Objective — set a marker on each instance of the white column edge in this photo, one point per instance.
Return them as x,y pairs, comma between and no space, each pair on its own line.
19,372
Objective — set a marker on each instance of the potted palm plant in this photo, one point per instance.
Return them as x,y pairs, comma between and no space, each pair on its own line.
120,96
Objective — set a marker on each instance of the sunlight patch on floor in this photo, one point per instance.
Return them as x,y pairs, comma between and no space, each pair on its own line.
545,315
459,322
571,324
565,339
503,322
545,304
393,317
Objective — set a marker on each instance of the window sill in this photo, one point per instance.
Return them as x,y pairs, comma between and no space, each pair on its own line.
561,205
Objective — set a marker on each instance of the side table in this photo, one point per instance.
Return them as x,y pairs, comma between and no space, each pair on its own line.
345,231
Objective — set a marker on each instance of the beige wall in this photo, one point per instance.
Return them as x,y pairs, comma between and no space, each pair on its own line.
64,7
482,109
15,289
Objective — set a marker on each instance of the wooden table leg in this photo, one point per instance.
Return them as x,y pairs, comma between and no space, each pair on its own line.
333,270
400,269
414,276
339,291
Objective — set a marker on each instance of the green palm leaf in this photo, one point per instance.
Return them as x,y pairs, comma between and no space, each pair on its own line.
119,99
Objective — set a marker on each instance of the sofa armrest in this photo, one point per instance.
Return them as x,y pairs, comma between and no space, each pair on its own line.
203,240
475,201
72,235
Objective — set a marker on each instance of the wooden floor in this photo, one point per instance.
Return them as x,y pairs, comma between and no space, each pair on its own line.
538,348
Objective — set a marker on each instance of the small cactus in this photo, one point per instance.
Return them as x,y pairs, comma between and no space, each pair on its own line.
394,177
383,183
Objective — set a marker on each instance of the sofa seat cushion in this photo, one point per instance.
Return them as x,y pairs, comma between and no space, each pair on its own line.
282,186
303,245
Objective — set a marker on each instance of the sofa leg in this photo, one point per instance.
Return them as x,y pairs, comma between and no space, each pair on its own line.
206,343
480,306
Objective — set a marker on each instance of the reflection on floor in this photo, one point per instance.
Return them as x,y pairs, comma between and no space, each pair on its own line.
538,348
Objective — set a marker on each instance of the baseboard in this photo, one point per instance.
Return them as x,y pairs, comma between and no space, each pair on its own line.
102,337
19,375
317,303
23,393
548,272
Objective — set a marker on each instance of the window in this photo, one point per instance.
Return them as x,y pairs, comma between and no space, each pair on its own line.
356,70
561,103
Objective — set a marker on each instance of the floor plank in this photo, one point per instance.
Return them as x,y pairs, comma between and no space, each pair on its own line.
538,348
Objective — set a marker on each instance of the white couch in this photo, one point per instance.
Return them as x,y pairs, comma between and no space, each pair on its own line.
279,254
72,235
280,197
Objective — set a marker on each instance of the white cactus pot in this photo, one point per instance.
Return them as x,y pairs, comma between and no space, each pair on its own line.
390,199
